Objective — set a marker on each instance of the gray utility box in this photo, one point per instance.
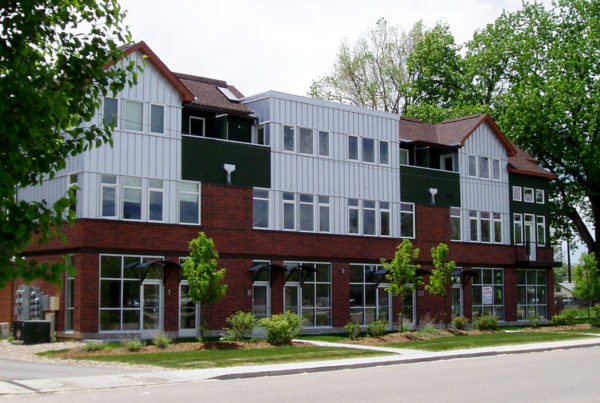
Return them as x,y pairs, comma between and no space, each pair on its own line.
32,331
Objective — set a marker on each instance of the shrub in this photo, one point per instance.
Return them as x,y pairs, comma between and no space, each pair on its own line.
570,315
94,346
460,322
559,320
353,329
534,320
161,341
134,345
487,322
596,310
282,328
428,332
242,323
377,328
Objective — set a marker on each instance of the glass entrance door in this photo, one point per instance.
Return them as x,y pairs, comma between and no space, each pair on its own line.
383,304
261,301
290,295
530,236
457,300
152,308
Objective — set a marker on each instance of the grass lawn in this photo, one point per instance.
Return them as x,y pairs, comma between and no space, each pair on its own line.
235,357
334,338
485,340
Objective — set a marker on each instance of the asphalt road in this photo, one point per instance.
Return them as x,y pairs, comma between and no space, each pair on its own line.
12,369
562,375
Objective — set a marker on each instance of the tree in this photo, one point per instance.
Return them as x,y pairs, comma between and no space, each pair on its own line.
587,281
372,73
440,279
537,71
53,75
202,273
402,272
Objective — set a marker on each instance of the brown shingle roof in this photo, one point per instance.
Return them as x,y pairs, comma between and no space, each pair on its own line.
208,96
456,131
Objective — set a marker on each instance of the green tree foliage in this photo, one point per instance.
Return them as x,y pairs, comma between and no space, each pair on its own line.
402,272
537,72
587,281
440,279
53,55
372,72
201,270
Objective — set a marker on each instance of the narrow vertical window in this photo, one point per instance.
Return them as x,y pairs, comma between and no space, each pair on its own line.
497,227
73,183
539,196
403,156
155,199
541,230
69,289
260,208
109,196
134,115
353,216
496,169
485,226
368,217
352,148
472,166
288,138
157,119
384,152
289,206
516,193
306,140
323,143
455,224
189,203
368,150
473,231
111,114
324,225
407,220
132,198
307,212
384,218
518,229
484,167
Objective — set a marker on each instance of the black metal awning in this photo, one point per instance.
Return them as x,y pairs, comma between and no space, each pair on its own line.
464,275
275,270
145,267
300,268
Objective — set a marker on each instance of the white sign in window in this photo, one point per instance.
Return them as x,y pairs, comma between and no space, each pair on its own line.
487,295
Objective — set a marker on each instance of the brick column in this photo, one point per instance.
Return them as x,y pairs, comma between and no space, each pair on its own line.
510,294
340,293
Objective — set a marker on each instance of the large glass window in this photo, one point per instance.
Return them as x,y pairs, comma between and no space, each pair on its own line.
384,218
407,220
352,147
484,224
518,228
69,292
497,227
155,199
132,198
384,152
157,118
488,292
260,208
189,203
368,150
473,231
109,196
541,230
323,143
134,115
312,298
306,140
484,167
261,291
111,111
324,225
368,300
187,308
368,217
531,293
288,138
353,216
455,224
307,212
289,207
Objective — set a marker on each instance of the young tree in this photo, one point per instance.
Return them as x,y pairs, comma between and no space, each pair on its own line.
202,273
587,281
53,75
440,279
402,272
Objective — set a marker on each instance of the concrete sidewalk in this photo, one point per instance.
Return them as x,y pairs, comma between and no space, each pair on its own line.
397,356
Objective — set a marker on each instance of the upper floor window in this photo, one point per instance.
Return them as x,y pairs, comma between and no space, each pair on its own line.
368,217
306,212
111,111
155,199
484,225
472,165
352,148
324,214
134,115
260,208
384,152
455,224
259,134
306,140
517,193
109,196
189,203
473,230
157,118
496,169
289,207
484,167
497,227
288,138
541,230
528,195
407,220
368,150
447,162
132,198
404,156
384,218
73,179
353,216
197,126
323,143
518,229
539,196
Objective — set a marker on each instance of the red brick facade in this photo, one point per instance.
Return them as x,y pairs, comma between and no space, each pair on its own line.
227,218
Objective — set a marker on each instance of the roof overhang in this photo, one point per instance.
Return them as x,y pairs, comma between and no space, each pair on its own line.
547,175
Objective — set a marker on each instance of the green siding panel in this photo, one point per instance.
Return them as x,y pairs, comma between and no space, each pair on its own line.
415,183
203,159
522,207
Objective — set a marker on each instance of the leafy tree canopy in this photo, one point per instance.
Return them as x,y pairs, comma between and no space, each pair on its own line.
587,279
402,272
53,75
440,278
202,272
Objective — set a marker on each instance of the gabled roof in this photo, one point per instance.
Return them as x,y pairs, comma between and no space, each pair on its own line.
451,132
186,94
525,164
209,97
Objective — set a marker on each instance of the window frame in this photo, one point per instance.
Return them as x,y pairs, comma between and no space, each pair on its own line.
542,199
114,186
528,191
412,213
356,208
358,154
190,118
126,117
485,218
536,286
312,140
288,204
540,222
362,147
496,219
404,151
455,216
198,194
384,207
366,285
263,198
115,118
483,165
372,210
478,281
312,210
139,188
324,205
69,295
283,137
319,133
153,189
517,193
517,220
472,157
162,129
496,162
387,153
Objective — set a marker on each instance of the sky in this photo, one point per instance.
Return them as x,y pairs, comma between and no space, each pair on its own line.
261,45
